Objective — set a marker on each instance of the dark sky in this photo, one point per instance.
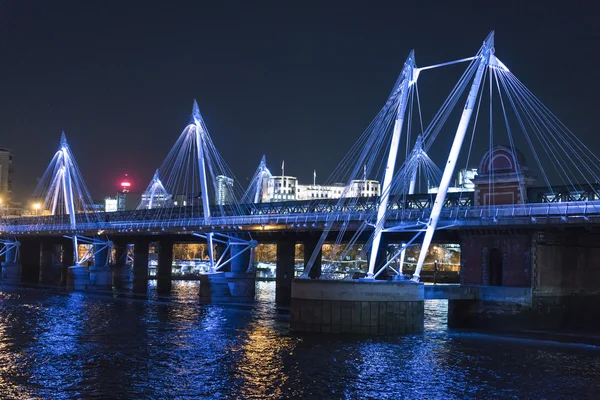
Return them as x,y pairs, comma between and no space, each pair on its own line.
298,81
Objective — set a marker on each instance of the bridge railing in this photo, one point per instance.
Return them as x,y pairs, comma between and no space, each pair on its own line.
480,215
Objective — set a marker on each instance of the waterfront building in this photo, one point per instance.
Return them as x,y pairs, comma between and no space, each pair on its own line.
282,188
6,170
464,182
287,188
224,193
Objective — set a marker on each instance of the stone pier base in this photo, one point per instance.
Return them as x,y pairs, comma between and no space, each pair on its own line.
11,272
100,277
506,308
78,278
352,307
228,287
121,276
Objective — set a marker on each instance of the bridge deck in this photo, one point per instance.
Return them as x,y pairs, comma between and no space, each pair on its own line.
404,219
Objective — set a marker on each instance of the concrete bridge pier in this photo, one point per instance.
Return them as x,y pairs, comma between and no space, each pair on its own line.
310,244
121,272
540,280
141,248
30,260
165,266
284,271
357,307
67,260
50,266
11,267
100,273
234,286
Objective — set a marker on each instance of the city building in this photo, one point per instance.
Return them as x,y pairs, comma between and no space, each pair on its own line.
224,193
363,188
282,188
287,188
464,183
6,170
310,192
111,204
122,195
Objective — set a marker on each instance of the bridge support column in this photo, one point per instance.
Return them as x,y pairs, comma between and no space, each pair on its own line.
235,286
242,284
30,260
68,259
100,273
165,266
11,267
50,267
357,307
284,272
121,272
310,245
141,248
545,280
382,257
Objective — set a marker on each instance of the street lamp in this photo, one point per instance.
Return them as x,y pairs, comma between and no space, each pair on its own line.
36,207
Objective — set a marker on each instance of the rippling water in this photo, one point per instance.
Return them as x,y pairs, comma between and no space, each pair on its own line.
75,345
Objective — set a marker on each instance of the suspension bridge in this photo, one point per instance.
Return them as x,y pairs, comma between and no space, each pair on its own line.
513,209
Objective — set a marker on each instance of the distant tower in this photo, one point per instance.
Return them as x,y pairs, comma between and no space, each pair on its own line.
224,194
125,185
5,173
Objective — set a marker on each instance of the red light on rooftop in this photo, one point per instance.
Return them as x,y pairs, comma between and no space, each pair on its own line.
125,184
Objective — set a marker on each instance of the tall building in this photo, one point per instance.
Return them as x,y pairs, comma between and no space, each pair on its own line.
287,188
282,188
464,183
224,194
5,174
363,188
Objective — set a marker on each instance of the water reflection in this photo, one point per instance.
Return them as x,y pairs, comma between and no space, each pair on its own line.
72,345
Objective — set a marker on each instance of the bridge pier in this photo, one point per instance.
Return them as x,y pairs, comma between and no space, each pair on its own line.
100,273
310,244
235,286
120,271
141,249
50,267
30,260
539,280
11,267
165,265
284,271
68,259
357,307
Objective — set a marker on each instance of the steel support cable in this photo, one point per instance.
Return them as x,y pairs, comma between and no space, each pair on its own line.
511,141
548,147
545,110
491,180
566,133
555,132
523,128
383,116
441,116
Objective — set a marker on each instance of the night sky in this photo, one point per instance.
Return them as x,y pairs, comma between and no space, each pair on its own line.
298,81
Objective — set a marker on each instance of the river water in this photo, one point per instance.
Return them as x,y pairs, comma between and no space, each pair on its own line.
57,345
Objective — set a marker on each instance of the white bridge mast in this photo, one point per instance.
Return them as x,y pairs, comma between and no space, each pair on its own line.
199,132
483,59
408,77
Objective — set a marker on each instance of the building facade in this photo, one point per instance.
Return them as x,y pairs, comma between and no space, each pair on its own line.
287,188
224,193
6,170
464,183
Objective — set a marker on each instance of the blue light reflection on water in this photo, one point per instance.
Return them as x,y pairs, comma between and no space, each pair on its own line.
59,345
